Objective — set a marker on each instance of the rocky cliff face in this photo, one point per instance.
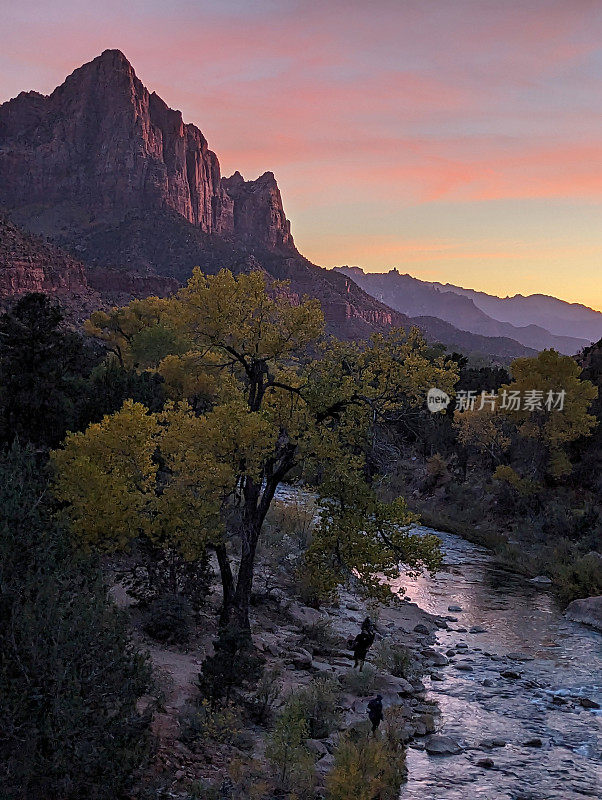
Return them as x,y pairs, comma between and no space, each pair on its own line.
101,145
258,212
30,264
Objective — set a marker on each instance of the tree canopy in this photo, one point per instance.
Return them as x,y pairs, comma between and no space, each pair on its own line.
258,394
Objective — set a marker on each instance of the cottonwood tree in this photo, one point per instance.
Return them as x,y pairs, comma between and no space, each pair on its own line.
558,412
257,393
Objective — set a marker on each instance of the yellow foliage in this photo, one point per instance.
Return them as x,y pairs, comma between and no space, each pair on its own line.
552,372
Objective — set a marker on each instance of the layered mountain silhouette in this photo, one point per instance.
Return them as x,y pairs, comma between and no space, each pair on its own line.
133,198
537,321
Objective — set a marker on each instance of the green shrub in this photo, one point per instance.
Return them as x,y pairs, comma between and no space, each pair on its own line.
361,683
321,636
70,678
393,658
201,723
319,703
262,701
366,768
286,751
234,665
168,619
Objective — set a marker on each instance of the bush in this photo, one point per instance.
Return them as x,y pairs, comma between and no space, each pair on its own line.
319,703
360,683
70,677
168,619
201,723
579,577
287,752
234,665
164,571
366,768
263,699
393,658
321,637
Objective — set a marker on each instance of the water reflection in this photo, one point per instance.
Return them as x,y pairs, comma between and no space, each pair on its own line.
559,660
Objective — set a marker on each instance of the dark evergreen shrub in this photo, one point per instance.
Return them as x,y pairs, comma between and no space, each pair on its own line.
70,677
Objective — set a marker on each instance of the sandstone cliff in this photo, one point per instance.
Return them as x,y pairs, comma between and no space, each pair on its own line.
101,146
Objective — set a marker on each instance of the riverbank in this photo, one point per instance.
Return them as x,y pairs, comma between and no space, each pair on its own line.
299,645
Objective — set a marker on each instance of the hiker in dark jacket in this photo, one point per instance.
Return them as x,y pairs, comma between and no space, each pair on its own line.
375,712
361,644
368,626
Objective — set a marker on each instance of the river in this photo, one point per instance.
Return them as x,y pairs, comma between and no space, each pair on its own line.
559,662
525,632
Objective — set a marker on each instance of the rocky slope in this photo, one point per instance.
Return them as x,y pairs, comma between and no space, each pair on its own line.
31,264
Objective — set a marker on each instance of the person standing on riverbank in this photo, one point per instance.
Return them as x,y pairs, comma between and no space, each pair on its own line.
375,712
362,643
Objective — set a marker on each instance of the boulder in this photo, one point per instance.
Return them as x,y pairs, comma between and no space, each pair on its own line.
588,611
316,747
303,616
541,579
587,703
422,629
489,744
437,745
301,659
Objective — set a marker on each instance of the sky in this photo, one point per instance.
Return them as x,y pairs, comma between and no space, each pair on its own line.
457,140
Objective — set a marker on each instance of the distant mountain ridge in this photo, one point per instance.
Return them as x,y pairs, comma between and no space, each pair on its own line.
558,316
472,311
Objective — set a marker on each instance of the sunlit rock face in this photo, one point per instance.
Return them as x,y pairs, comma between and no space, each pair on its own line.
103,143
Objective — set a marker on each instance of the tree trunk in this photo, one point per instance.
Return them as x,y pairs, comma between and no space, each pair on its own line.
227,582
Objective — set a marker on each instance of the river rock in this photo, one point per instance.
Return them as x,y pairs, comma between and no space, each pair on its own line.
541,579
455,609
588,611
461,646
437,745
437,676
439,660
486,763
519,657
487,682
404,687
510,675
420,628
477,629
489,744
464,666
534,742
462,630
587,703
